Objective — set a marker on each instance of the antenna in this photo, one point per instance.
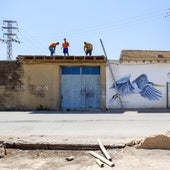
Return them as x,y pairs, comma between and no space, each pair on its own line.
9,26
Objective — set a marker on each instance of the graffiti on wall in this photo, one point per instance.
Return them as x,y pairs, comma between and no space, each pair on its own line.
141,85
32,87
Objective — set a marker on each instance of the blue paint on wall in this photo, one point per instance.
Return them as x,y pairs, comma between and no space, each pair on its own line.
141,85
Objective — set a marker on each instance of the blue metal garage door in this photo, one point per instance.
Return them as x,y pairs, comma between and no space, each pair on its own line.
80,88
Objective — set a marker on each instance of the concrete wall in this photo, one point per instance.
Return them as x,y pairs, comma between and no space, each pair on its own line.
11,75
41,86
35,84
156,73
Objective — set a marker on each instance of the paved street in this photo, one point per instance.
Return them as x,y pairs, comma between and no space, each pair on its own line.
130,124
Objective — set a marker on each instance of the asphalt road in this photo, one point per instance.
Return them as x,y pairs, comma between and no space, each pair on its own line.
129,124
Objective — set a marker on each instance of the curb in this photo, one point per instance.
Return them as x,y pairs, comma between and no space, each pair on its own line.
54,146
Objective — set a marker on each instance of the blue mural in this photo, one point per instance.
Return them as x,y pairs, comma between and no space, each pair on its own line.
141,85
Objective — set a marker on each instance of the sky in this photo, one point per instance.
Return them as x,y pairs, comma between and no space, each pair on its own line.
120,24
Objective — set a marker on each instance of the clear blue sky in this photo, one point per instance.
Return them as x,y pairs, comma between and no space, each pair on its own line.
121,24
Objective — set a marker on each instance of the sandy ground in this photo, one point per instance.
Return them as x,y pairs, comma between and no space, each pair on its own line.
128,158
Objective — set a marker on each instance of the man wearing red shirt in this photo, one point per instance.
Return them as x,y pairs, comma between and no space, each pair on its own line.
65,46
52,47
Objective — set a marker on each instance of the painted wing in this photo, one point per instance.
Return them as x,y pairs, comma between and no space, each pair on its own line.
141,81
150,92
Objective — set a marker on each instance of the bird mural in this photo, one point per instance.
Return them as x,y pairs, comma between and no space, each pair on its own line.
141,85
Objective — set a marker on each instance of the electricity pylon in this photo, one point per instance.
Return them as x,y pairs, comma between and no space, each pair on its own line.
8,36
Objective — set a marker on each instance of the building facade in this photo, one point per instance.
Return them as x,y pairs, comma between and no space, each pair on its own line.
54,83
141,80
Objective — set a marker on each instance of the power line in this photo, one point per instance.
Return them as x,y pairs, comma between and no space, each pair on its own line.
167,14
9,26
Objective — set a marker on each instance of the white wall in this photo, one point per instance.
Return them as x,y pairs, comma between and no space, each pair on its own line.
156,73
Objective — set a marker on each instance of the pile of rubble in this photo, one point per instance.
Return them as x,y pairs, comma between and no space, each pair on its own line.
161,141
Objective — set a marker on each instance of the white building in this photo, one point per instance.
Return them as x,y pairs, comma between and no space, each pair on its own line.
132,74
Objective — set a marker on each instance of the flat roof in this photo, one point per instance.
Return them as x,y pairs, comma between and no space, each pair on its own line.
59,58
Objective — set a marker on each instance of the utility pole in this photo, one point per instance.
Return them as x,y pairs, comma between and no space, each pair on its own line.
9,35
112,74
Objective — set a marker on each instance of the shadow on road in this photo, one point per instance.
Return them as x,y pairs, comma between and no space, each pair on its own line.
110,111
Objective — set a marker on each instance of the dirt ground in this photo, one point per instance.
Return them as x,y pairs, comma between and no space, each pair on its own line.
128,158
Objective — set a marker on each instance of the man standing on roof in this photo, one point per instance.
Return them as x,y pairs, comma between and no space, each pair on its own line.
65,46
88,48
52,47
